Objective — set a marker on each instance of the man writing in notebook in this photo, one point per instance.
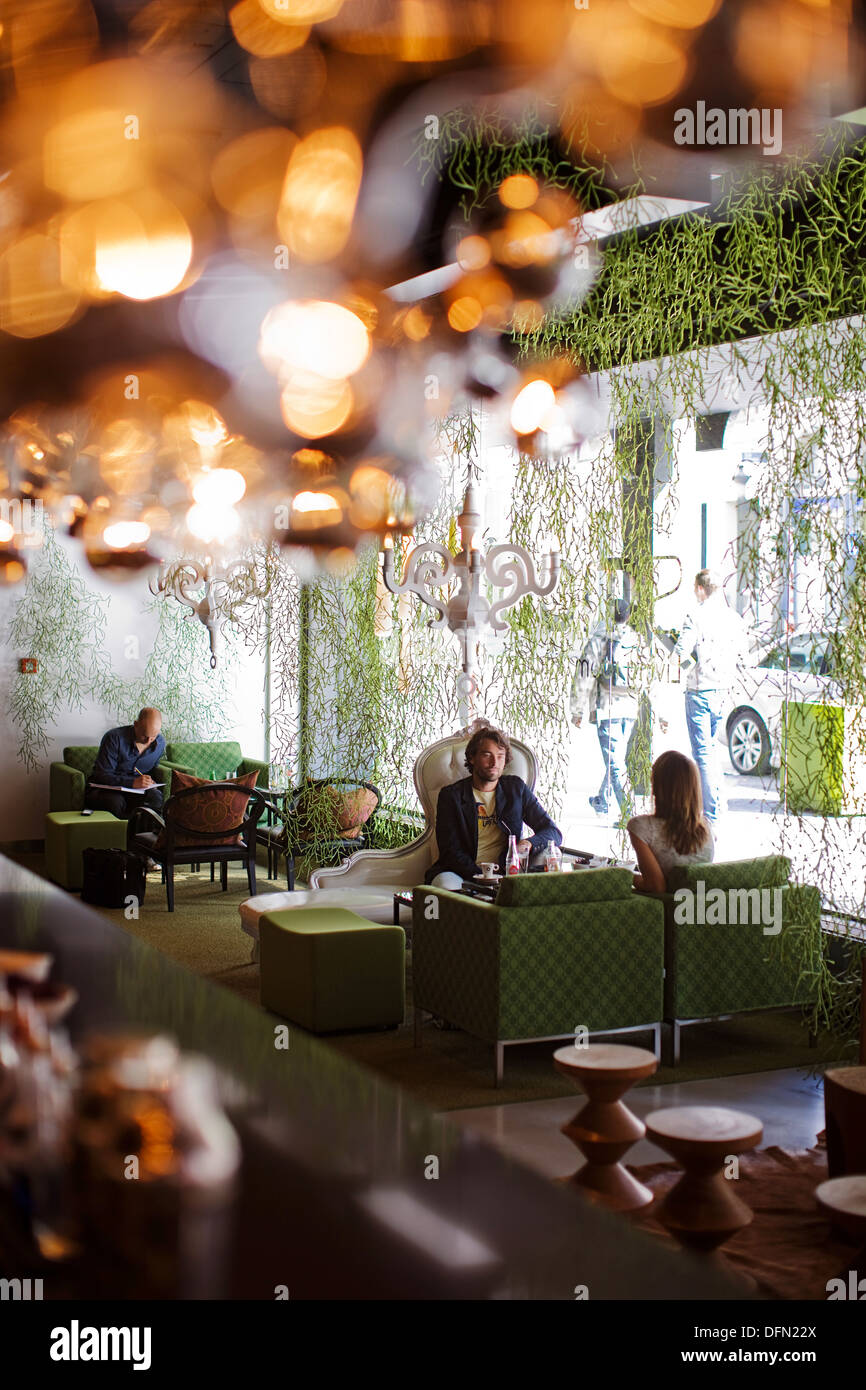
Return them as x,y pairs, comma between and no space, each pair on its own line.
127,756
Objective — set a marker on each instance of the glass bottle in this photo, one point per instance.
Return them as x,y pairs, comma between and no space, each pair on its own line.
552,859
512,858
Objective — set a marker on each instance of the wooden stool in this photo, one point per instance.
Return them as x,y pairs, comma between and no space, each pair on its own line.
845,1120
605,1129
844,1201
702,1210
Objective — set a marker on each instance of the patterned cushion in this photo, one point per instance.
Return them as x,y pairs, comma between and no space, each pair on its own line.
770,872
208,760
81,758
541,890
334,813
214,809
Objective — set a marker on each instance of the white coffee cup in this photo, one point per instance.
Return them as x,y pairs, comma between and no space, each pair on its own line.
489,870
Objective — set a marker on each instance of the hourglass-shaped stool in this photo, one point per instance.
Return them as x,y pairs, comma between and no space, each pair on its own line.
844,1201
703,1209
605,1129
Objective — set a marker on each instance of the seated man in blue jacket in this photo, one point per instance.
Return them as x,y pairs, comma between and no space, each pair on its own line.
475,816
127,756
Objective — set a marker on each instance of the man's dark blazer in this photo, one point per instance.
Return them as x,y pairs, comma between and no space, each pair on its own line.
457,824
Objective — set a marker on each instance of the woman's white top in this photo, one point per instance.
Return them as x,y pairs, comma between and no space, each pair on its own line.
654,832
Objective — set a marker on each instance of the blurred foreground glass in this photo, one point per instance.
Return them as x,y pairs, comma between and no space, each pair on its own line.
153,1148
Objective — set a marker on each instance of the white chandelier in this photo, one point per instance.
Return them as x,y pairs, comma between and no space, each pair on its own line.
468,613
210,591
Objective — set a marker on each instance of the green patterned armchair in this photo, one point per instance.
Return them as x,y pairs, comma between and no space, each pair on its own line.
67,779
553,953
716,966
215,761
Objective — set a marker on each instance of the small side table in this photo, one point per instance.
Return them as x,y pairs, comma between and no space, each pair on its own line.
703,1210
605,1129
68,834
844,1201
845,1118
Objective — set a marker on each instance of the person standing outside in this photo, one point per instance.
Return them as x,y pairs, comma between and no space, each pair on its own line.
605,687
712,648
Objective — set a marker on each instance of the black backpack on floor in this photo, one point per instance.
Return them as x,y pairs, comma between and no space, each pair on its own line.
111,876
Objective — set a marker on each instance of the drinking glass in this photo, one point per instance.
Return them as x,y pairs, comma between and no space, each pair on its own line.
524,859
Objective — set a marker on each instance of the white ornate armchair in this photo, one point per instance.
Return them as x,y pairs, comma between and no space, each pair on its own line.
434,769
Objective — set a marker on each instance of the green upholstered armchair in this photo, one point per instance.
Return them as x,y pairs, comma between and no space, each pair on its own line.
66,780
714,968
215,761
553,953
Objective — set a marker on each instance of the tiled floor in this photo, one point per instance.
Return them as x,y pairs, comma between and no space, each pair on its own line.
790,1105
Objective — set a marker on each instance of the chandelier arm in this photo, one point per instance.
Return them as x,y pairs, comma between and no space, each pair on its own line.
421,567
518,569
428,566
189,575
516,574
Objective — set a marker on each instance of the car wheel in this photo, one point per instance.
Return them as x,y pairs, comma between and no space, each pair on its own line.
749,744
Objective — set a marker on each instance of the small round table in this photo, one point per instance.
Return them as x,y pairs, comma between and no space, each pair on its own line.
844,1201
605,1129
703,1210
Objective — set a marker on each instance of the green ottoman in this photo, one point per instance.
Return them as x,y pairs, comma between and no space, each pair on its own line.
67,833
327,968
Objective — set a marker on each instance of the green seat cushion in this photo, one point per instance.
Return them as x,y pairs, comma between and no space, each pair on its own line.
81,758
206,759
547,890
772,871
317,921
329,969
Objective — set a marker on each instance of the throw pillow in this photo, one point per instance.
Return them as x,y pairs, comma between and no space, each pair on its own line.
334,813
215,808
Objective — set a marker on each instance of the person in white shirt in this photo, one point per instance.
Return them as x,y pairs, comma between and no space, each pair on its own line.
676,833
713,641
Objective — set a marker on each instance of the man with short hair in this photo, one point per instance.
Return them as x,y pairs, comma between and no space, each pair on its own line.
475,816
713,641
127,756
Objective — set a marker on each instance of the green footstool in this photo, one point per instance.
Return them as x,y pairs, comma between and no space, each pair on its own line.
67,833
328,969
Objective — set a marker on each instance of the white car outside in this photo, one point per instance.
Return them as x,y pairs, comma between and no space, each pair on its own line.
798,669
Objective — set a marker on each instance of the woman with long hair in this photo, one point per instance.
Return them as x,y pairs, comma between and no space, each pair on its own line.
677,832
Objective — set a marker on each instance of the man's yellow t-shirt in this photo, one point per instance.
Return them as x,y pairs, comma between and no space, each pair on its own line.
491,837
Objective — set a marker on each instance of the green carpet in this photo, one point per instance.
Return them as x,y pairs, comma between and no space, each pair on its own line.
451,1071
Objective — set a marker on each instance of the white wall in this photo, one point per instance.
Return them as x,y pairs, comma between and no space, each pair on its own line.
24,795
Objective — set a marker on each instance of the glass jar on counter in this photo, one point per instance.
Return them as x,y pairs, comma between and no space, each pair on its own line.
155,1165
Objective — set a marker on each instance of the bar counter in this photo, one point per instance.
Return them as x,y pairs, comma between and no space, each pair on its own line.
334,1202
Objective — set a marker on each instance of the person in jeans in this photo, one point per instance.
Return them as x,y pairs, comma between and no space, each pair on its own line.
712,647
605,687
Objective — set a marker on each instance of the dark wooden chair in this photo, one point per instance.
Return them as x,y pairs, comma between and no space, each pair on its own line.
292,838
211,847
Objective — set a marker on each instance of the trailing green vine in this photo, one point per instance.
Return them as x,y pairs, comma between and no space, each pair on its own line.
64,624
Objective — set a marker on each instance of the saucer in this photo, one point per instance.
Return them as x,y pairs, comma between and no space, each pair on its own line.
493,878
